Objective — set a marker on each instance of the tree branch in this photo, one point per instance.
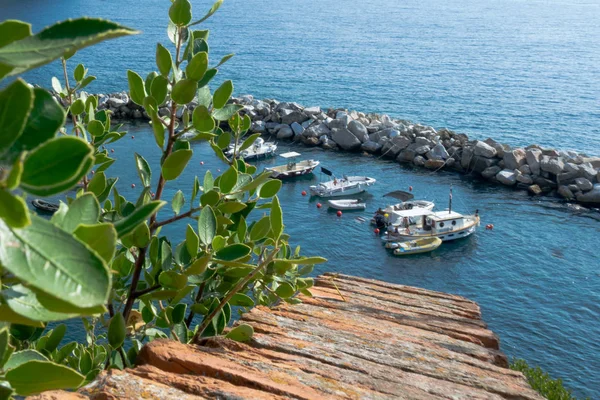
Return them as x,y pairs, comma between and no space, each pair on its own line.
140,293
139,264
190,317
175,218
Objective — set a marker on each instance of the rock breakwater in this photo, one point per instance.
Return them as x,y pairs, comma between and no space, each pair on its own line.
538,170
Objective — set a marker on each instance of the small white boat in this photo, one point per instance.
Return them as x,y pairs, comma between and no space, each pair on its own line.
259,149
393,214
418,246
45,206
293,168
346,205
346,186
445,225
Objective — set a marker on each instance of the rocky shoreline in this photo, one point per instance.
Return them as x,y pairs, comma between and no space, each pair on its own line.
538,170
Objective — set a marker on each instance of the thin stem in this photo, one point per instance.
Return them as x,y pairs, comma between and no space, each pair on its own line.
231,293
140,293
123,357
190,317
176,218
139,264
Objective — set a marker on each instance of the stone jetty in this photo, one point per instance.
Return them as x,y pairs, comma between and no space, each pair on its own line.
355,338
538,170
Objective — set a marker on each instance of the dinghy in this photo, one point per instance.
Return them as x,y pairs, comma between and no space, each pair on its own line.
346,186
44,206
346,205
292,168
417,246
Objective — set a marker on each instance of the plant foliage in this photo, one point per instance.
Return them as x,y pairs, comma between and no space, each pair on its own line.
540,381
101,257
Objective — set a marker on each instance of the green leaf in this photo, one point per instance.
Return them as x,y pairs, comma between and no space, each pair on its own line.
249,141
159,89
202,120
241,300
139,215
175,164
116,331
198,267
79,72
241,333
309,260
148,81
224,60
285,290
78,107
231,207
180,12
137,91
56,165
210,12
24,302
207,225
178,313
184,91
55,337
12,30
208,76
233,252
197,66
6,349
46,117
143,169
224,140
159,131
98,184
96,128
48,376
163,60
51,260
210,198
260,229
21,357
208,181
228,180
56,86
191,241
172,280
86,81
16,102
140,236
204,96
57,40
222,94
226,112
270,188
13,210
84,210
276,218
177,202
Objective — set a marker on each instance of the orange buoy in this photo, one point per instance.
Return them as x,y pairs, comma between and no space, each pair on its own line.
319,205
304,193
133,185
376,231
410,188
339,213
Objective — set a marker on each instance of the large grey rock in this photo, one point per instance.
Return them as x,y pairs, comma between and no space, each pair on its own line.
297,128
438,152
345,139
491,172
594,161
419,161
392,148
312,110
535,190
421,141
593,196
114,102
285,132
421,150
533,157
565,192
571,167
481,163
507,177
544,183
567,177
336,124
328,143
584,184
483,149
387,132
359,130
259,127
435,164
289,116
406,155
552,165
525,169
316,130
500,148
514,159
371,147
467,157
588,171
524,178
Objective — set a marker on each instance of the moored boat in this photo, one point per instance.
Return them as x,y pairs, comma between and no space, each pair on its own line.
259,149
394,214
346,205
417,246
346,186
445,225
293,168
44,206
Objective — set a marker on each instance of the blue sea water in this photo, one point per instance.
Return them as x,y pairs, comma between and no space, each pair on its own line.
519,71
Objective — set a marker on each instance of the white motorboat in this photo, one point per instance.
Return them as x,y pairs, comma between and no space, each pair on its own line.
346,205
259,149
393,214
293,168
346,186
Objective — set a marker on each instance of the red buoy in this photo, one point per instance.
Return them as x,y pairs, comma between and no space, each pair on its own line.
201,162
489,227
112,150
376,231
410,188
339,213
133,185
133,137
319,205
304,193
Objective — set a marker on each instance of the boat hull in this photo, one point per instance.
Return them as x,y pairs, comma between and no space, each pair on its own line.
351,186
352,205
282,172
444,236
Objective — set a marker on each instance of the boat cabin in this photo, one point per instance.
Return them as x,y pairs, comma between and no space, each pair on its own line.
443,221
